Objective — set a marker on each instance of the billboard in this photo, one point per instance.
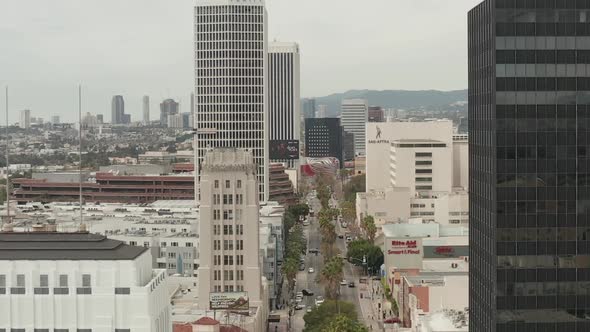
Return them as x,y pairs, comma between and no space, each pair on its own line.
284,150
404,253
229,301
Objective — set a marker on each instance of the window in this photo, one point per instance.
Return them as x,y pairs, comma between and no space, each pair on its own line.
146,244
216,184
171,255
228,215
2,280
423,154
122,330
423,179
228,230
43,280
41,291
20,280
227,184
240,245
63,280
61,291
60,330
83,330
163,244
423,187
122,291
240,260
188,244
174,244
239,184
216,214
423,171
132,243
84,291
423,162
17,330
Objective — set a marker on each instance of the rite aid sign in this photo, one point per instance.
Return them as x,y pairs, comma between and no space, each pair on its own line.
404,253
408,247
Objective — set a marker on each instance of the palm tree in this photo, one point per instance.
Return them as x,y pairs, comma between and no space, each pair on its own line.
290,267
331,276
370,228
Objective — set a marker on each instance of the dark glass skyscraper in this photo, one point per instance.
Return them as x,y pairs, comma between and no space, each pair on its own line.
529,114
117,109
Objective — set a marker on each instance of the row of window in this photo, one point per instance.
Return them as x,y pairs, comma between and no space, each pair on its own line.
57,330
542,4
59,291
228,260
240,90
228,230
229,54
543,56
228,244
227,81
542,83
229,63
228,199
228,288
211,10
542,29
44,280
228,184
175,244
203,29
244,18
229,45
228,275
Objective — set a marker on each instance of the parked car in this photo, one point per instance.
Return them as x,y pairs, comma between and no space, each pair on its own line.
343,283
309,309
351,284
299,299
313,251
299,307
302,267
311,270
319,300
307,292
340,236
299,294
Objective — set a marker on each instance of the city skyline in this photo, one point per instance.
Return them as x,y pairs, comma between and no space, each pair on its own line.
158,62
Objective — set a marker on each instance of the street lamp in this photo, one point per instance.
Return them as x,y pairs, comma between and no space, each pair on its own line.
363,262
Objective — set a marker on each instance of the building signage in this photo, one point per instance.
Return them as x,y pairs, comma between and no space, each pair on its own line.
446,251
284,150
229,301
407,247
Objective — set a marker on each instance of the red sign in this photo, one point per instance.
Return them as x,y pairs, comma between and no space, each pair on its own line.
404,244
401,247
444,250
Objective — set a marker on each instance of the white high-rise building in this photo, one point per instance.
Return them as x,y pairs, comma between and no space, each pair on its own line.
231,81
146,110
229,226
25,119
79,282
321,111
284,94
355,115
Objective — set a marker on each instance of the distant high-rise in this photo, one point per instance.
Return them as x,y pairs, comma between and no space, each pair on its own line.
146,110
231,80
192,125
25,119
347,146
323,138
55,119
376,114
126,119
229,225
321,111
308,106
117,109
167,107
529,198
100,118
354,118
284,96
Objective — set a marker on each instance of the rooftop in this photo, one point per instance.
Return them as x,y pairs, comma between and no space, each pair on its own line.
64,246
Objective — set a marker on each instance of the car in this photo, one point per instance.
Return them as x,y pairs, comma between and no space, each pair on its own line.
313,251
302,267
311,270
344,225
299,307
305,222
351,284
307,292
343,283
299,294
299,299
348,239
309,309
319,300
340,236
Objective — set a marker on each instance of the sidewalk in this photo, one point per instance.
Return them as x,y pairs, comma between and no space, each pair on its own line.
370,309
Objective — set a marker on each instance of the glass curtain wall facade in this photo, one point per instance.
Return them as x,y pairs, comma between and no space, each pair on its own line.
230,81
529,114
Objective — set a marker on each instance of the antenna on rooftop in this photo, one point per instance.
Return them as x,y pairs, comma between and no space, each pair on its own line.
82,225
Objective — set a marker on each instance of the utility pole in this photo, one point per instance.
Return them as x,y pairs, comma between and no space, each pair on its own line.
8,220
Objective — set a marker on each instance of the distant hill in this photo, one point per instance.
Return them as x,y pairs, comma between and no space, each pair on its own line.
398,99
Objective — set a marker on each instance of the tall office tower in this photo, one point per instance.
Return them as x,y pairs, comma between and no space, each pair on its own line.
308,106
354,119
231,80
117,109
376,114
192,107
529,96
146,110
228,226
284,107
55,119
321,111
100,118
167,107
25,119
323,138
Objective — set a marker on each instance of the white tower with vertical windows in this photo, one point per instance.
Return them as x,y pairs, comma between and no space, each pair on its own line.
228,227
355,115
231,81
284,107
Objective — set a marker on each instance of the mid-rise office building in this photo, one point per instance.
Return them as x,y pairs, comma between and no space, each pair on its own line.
529,89
231,99
79,282
117,110
25,119
308,106
146,109
100,118
55,119
348,146
321,111
168,108
229,225
354,118
376,114
175,121
323,138
284,94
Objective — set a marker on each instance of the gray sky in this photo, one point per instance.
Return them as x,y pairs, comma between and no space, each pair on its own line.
144,47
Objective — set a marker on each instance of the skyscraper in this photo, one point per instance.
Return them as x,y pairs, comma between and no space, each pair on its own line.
354,119
228,226
321,111
55,119
231,80
323,138
284,97
308,106
146,110
167,107
117,110
529,208
25,119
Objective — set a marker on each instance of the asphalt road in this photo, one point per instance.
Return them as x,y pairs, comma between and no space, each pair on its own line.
306,280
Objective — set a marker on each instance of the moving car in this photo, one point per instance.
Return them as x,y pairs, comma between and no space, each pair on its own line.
311,270
302,267
299,299
343,283
351,284
307,292
299,294
306,222
299,307
319,300
313,251
340,236
309,309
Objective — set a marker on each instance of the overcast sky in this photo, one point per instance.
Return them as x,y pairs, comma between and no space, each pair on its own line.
144,47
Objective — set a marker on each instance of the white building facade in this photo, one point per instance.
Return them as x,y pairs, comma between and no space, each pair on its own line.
229,226
146,110
25,119
355,115
284,94
231,64
79,282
